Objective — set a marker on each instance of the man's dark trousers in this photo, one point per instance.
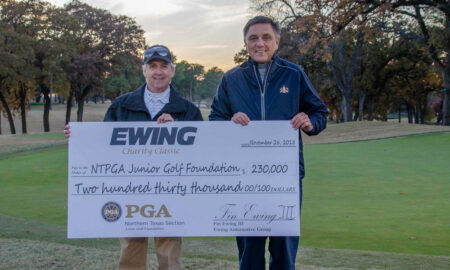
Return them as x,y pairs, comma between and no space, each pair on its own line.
283,250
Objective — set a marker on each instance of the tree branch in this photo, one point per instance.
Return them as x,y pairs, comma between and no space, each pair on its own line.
341,60
431,49
336,77
359,42
290,7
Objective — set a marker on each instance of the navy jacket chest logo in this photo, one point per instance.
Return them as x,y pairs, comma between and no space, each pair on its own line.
284,89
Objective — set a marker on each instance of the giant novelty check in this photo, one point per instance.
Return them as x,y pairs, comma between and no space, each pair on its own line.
139,179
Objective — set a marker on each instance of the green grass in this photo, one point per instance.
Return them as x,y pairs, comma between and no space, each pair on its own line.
34,185
383,195
49,136
386,195
36,142
36,245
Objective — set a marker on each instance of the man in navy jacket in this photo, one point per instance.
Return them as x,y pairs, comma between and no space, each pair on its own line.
158,101
267,87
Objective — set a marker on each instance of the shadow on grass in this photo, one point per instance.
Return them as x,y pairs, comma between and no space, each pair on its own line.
33,238
31,149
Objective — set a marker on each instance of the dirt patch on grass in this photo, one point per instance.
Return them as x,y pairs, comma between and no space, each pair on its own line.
19,142
92,113
28,244
10,143
360,131
351,131
345,132
32,254
29,254
335,133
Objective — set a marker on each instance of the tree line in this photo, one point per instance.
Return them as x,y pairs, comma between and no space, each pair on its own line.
365,58
368,57
76,52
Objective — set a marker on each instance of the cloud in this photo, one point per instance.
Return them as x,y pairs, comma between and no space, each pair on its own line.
212,47
230,19
192,29
133,8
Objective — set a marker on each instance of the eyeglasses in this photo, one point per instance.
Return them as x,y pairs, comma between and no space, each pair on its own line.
159,50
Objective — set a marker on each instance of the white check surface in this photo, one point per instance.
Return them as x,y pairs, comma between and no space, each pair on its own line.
140,179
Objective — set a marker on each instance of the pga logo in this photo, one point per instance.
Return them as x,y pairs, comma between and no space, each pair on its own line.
147,211
111,211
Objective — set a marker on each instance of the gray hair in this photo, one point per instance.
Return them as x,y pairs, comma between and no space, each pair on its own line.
172,65
262,19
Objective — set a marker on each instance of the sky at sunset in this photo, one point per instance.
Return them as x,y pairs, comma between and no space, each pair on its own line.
207,32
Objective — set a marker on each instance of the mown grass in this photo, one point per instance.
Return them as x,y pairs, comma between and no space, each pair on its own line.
386,195
10,144
36,245
34,185
383,195
49,136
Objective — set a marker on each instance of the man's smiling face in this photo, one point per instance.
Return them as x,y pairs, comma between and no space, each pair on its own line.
261,42
158,75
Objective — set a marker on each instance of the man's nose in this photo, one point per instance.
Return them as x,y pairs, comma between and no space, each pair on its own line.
260,42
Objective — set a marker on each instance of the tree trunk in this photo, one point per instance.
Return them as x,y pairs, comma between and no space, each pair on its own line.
344,76
410,113
370,108
103,94
445,110
47,102
423,110
417,112
80,112
80,109
23,108
0,120
443,65
361,100
399,113
346,106
69,107
355,109
12,128
356,115
47,107
50,93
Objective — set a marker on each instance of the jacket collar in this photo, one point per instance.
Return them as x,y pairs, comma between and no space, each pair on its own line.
252,66
135,101
275,58
176,103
